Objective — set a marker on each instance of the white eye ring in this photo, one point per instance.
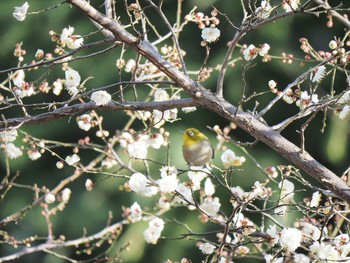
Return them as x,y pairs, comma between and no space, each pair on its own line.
190,134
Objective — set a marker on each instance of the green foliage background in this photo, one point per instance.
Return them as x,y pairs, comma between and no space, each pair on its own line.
90,209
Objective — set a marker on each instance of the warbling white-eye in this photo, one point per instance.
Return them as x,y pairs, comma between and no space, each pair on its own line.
196,148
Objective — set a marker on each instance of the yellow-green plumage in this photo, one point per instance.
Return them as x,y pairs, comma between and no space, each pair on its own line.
197,149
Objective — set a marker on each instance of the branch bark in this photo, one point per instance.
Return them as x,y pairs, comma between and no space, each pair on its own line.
220,106
81,108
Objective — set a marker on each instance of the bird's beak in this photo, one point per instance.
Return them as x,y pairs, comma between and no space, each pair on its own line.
182,131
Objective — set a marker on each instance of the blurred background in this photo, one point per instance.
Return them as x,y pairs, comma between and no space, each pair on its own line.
88,211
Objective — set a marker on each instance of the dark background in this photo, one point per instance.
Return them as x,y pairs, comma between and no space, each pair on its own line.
89,210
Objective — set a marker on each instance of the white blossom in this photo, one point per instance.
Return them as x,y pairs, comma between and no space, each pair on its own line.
138,149
301,258
344,112
8,135
59,165
66,192
154,230
20,12
271,259
70,40
189,109
72,81
135,212
18,78
168,183
130,65
290,238
161,95
84,122
186,193
211,205
209,187
287,190
272,84
89,185
156,141
310,230
315,200
318,74
34,154
264,10
210,34
333,44
264,49
12,151
101,97
72,159
207,248
290,5
141,185
321,251
273,233
197,174
344,98
50,198
229,159
57,87
250,52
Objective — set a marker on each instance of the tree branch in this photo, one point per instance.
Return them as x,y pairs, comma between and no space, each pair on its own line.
111,230
218,105
89,106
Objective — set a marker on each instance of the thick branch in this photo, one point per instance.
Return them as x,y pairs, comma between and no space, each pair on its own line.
113,229
205,98
81,108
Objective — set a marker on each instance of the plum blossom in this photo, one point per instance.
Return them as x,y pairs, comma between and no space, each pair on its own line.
264,10
161,95
34,154
290,5
72,81
101,97
210,34
141,185
169,181
20,12
50,198
84,122
211,205
135,212
315,200
12,151
186,193
301,258
154,230
65,194
70,40
18,78
72,159
196,175
206,248
8,135
229,159
290,238
252,51
130,65
318,74
273,233
344,112
310,230
209,187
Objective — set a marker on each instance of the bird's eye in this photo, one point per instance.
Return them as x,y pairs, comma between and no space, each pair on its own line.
190,134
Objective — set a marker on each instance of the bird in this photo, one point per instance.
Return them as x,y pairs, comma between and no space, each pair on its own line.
196,149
